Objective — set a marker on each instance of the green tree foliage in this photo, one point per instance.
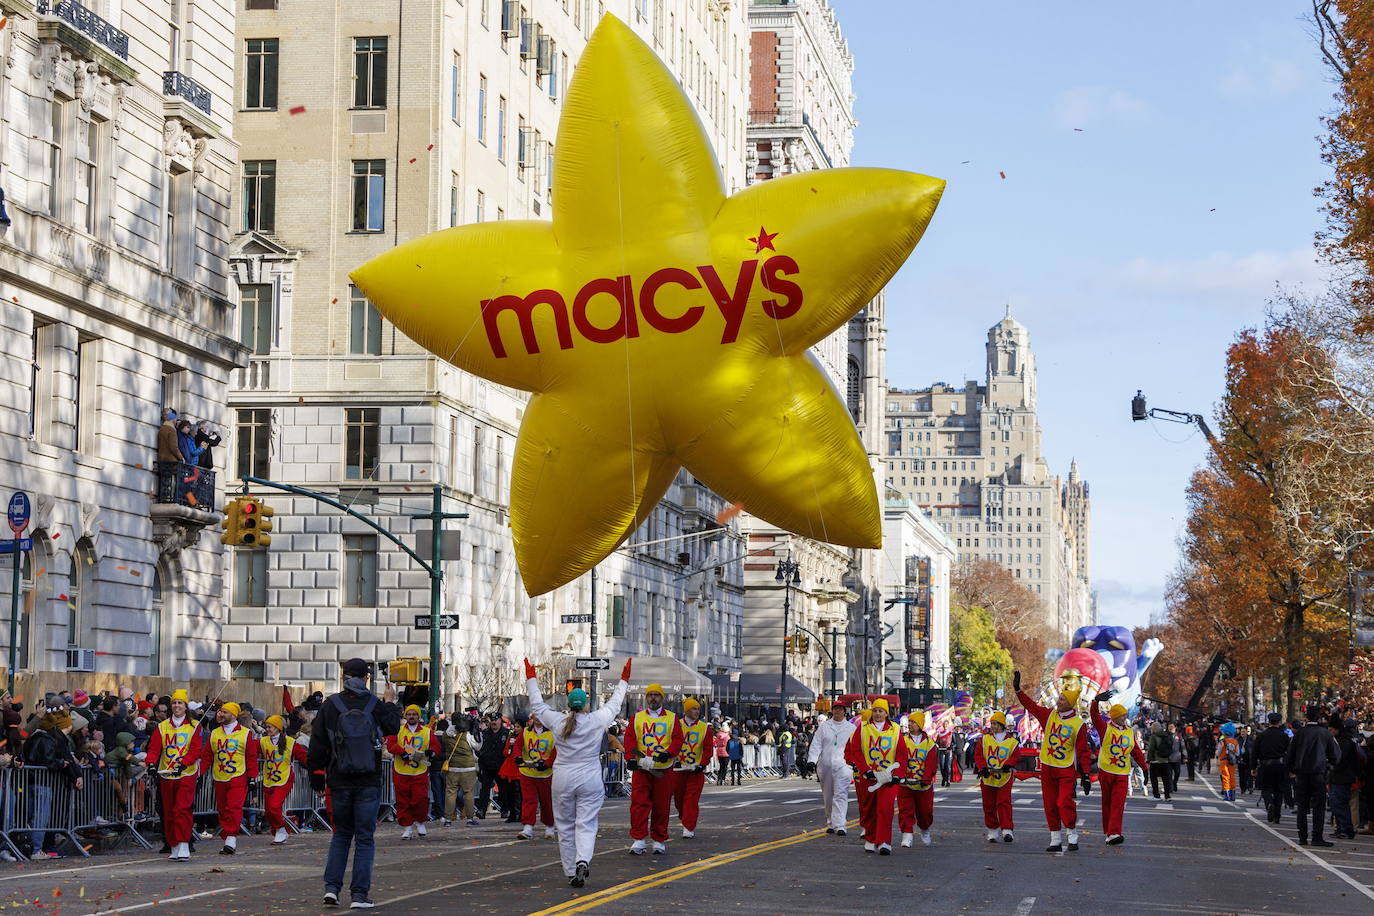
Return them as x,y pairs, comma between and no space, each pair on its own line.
984,665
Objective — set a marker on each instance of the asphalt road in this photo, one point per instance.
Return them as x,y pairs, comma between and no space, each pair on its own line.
758,850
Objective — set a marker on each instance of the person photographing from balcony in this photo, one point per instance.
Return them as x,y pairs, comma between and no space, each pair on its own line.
578,789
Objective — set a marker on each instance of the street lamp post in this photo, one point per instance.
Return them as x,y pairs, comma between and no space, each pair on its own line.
789,574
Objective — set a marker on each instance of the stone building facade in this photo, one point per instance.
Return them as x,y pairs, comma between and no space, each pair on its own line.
116,161
363,129
971,457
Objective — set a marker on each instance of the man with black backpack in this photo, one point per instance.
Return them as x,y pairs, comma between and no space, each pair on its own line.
346,756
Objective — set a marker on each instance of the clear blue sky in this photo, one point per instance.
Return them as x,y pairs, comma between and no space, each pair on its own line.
1133,250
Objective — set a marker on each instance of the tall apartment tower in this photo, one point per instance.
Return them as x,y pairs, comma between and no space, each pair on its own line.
364,127
117,157
971,457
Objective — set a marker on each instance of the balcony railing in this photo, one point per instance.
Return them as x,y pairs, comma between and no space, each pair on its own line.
88,23
174,82
794,117
186,485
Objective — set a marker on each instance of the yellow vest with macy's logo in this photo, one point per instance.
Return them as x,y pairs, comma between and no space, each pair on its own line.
276,760
654,734
693,751
879,746
995,754
176,739
228,753
1115,754
538,747
1061,737
411,741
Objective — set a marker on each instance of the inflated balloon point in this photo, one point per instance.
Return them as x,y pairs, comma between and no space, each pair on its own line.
661,324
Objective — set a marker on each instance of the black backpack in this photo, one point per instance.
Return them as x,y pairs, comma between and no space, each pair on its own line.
1166,744
357,740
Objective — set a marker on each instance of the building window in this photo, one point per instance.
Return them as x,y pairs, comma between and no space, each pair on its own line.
88,169
453,452
174,23
156,616
260,75
454,200
254,440
361,430
250,578
476,460
86,435
553,74
259,194
260,4
365,324
454,76
360,570
481,108
369,73
501,128
369,194
500,468
255,317
57,116
615,608
80,596
481,206
174,247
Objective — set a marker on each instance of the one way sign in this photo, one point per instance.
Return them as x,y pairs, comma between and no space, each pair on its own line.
446,621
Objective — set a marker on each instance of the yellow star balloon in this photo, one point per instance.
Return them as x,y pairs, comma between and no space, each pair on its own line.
661,324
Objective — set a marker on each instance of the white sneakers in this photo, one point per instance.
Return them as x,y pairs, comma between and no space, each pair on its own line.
526,832
1008,836
181,852
420,829
1056,841
637,848
925,837
279,838
408,832
1073,839
550,833
994,836
660,848
885,849
870,847
1115,839
906,840
688,834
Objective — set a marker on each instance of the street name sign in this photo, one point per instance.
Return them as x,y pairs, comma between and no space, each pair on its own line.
577,618
592,664
446,621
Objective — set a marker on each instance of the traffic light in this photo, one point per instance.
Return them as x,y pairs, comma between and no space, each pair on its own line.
573,683
231,523
254,522
803,644
787,643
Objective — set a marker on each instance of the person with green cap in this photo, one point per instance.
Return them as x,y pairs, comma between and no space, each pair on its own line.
578,789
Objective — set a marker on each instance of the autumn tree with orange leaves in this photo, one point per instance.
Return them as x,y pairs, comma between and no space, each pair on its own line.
1017,612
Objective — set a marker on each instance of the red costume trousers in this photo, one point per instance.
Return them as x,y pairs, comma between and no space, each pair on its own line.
863,792
412,798
536,797
915,809
1056,787
1115,787
997,806
651,795
878,824
274,803
178,801
229,797
687,798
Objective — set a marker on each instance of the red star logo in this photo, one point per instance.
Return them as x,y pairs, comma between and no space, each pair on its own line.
764,240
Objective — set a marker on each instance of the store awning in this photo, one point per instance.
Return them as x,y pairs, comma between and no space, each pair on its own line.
671,674
763,688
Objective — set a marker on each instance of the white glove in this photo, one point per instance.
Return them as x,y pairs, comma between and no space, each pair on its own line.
884,776
646,763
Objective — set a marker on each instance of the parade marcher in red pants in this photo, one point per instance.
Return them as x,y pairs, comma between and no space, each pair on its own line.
1064,750
863,789
878,754
411,750
279,751
697,740
994,755
231,753
916,798
1114,764
175,749
652,742
535,754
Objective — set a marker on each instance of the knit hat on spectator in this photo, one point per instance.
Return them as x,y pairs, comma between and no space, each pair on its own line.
79,722
141,723
144,707
259,715
58,718
81,699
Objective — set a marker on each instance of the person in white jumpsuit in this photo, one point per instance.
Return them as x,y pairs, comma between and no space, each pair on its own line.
578,788
827,753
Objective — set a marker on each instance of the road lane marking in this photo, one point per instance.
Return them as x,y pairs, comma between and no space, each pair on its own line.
163,901
1164,806
629,888
1211,809
799,801
1024,907
1302,849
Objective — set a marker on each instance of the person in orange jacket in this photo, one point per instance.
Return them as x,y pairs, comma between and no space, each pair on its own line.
878,755
994,755
175,751
652,742
1114,758
1064,748
916,797
231,753
698,742
412,748
534,756
279,750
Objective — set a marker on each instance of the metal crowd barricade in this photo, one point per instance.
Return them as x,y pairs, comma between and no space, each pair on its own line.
105,801
7,811
42,804
386,810
303,805
615,776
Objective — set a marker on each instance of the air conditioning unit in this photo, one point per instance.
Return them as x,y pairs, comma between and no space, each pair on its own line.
79,659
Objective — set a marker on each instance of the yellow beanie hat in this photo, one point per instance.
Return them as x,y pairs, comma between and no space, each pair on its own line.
1116,711
232,708
181,695
654,688
999,717
919,718
880,703
276,722
690,703
417,709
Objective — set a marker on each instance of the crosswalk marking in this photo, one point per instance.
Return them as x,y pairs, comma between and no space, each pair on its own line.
1164,806
1212,809
798,801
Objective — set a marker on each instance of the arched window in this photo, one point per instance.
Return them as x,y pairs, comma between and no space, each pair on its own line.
855,390
81,597
155,612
